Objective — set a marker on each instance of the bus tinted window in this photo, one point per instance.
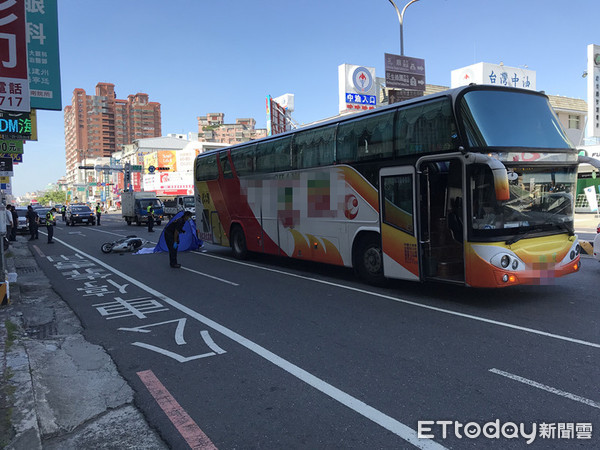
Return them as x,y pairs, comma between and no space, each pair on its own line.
225,166
243,160
425,127
511,119
274,156
366,138
206,168
314,148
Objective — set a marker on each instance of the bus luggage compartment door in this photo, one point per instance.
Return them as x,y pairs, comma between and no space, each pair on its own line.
217,229
398,223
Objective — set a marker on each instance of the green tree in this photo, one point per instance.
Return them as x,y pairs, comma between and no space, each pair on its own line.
52,198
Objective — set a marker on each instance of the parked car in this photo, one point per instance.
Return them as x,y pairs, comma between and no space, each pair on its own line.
80,214
22,213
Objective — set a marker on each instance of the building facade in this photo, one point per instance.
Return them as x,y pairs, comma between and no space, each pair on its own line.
212,128
98,125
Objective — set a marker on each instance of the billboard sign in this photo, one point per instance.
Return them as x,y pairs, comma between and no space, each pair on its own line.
170,183
404,72
276,118
593,90
15,125
167,158
494,74
15,157
357,88
43,57
6,167
11,147
14,85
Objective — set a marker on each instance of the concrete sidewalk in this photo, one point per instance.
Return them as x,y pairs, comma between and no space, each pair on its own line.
57,390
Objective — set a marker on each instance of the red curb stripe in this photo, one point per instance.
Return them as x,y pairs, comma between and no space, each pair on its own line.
186,426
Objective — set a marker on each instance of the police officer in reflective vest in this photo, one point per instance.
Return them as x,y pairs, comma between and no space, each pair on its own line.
98,213
50,222
150,211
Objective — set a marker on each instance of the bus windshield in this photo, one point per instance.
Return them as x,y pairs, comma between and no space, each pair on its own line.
511,119
541,199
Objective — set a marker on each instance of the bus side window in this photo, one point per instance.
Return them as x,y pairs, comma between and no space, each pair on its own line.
274,156
366,139
206,168
314,148
425,127
243,160
225,166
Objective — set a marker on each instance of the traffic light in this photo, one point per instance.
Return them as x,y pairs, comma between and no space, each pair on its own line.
87,167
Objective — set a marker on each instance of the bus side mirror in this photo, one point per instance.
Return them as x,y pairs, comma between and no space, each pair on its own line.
498,172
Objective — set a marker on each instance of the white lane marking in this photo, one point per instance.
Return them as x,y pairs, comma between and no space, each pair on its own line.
419,305
211,344
210,276
376,416
546,388
178,331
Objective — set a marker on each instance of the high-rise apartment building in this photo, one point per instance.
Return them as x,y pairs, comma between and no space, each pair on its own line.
98,125
212,128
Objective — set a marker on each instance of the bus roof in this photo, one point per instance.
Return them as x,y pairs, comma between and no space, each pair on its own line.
454,93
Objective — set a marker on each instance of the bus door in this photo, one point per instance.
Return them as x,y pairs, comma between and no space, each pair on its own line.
398,223
441,218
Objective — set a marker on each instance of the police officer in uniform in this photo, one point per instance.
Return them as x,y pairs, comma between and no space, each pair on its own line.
50,222
150,210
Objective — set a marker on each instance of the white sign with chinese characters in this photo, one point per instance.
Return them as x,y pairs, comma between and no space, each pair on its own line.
593,90
494,74
357,88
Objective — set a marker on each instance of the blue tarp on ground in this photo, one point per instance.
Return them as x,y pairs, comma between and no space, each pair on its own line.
187,241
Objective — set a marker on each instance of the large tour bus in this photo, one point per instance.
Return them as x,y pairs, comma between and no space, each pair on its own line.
472,186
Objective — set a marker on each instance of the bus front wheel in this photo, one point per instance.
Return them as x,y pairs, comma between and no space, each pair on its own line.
238,243
369,260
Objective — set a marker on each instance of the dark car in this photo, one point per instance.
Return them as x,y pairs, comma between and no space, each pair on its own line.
79,214
41,212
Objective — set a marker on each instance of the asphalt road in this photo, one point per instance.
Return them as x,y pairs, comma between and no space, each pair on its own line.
272,354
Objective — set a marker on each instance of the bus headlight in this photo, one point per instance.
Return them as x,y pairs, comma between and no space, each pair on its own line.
507,260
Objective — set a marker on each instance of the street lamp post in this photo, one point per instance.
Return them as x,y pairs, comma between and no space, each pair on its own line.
401,19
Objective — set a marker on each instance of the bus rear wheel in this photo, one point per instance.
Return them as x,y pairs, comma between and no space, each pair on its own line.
369,260
238,243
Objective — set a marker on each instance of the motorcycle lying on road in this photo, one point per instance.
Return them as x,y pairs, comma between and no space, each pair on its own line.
126,244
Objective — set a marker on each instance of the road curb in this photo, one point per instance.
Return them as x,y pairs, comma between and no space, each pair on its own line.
95,408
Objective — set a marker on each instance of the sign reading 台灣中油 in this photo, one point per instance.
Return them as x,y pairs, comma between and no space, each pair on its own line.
14,85
42,54
494,74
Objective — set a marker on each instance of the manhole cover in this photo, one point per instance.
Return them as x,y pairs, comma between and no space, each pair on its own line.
42,331
23,270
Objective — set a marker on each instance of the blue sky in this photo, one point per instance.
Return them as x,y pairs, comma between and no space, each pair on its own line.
201,56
